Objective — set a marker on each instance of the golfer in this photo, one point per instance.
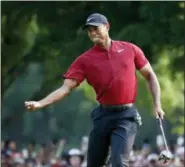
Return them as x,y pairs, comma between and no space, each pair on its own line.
110,68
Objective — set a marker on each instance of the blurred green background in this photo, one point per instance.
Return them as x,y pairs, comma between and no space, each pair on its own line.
39,40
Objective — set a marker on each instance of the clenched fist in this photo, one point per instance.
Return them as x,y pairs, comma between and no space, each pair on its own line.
32,105
159,113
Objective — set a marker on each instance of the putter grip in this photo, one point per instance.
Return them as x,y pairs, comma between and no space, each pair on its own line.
159,121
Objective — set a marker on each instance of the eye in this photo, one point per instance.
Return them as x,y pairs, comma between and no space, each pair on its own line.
90,28
96,28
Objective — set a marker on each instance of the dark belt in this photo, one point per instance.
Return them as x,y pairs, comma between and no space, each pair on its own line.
117,107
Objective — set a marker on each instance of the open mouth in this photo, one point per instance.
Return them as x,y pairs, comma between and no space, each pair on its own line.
96,39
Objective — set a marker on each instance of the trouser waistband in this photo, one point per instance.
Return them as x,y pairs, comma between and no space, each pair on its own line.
117,107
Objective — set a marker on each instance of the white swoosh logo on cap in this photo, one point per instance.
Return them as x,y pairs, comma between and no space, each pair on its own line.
90,19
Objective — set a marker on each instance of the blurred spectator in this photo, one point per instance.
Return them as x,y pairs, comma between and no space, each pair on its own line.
75,158
29,152
153,160
159,143
180,155
180,141
146,147
52,154
84,148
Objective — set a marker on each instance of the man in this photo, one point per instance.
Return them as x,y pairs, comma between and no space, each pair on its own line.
109,67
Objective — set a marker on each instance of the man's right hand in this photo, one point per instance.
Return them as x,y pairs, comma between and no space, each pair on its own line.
32,105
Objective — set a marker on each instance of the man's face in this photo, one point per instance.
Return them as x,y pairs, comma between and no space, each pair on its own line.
98,34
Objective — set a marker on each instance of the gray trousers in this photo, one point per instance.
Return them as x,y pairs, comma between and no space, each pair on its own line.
114,128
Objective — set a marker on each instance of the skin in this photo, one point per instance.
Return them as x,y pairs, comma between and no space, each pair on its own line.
100,36
75,161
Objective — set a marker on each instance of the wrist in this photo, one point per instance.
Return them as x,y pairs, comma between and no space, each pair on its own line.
157,105
41,104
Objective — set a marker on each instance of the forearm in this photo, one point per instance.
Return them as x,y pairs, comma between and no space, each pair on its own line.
155,89
55,96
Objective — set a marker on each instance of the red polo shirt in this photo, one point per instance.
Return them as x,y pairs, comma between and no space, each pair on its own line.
111,73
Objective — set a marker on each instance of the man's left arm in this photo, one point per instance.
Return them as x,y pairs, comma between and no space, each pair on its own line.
146,70
154,86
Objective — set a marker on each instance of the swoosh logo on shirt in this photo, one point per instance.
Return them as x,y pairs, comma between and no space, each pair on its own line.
120,50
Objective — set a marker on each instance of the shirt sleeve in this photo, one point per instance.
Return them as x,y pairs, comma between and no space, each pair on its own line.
76,71
140,60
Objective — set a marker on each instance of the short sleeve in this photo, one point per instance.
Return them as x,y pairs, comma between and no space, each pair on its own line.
76,71
140,60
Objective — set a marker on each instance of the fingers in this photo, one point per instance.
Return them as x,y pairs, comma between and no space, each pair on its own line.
162,114
30,105
159,114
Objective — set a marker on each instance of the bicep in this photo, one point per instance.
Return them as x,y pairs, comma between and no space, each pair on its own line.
76,71
70,83
146,71
139,57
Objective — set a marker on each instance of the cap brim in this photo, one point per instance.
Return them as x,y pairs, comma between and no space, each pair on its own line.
91,24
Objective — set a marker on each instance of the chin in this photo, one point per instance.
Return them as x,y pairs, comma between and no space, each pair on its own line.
96,41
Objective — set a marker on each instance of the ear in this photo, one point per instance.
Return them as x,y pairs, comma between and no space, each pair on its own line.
108,26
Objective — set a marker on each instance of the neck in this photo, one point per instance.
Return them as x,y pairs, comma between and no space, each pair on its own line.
107,44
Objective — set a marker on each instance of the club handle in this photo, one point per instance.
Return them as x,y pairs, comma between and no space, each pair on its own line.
159,121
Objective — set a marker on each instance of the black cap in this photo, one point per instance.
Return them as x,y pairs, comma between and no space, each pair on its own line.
95,19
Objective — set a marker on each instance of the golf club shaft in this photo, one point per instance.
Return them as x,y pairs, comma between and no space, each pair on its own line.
164,138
